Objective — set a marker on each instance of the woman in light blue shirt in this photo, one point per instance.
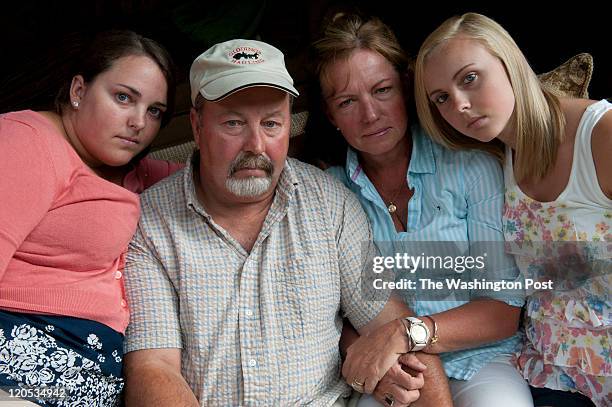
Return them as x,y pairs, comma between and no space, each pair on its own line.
413,191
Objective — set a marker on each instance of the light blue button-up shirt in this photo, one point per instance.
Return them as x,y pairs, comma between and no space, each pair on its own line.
458,196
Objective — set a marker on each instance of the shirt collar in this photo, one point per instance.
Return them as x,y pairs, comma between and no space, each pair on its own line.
191,197
288,182
422,159
353,168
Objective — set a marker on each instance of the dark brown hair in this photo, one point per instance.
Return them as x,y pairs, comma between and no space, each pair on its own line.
104,49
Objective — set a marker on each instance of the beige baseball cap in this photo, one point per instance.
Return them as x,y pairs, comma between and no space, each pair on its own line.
233,65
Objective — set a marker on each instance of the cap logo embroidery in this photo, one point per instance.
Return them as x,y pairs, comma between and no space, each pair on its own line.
246,55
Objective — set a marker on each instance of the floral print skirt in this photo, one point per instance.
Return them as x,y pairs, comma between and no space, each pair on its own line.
60,361
568,341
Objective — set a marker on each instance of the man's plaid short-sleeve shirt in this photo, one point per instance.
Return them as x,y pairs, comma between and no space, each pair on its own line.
259,327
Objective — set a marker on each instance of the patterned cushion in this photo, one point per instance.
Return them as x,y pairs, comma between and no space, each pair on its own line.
177,154
571,79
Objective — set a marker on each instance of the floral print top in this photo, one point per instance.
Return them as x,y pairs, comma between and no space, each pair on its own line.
567,329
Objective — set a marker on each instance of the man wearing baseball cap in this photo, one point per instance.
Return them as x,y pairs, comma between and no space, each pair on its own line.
244,263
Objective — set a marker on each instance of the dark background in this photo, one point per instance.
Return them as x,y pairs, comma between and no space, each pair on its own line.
33,32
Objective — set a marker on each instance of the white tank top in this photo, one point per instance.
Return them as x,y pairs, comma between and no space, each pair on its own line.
582,211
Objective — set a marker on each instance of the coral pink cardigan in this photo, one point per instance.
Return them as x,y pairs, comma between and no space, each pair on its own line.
64,231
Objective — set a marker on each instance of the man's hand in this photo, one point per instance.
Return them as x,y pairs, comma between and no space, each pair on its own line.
402,382
370,357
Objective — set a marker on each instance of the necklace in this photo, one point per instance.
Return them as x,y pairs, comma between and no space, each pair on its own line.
391,207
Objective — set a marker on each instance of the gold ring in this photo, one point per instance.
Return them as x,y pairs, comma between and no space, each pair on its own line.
358,386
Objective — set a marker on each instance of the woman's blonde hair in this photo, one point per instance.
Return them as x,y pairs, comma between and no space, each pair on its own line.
538,121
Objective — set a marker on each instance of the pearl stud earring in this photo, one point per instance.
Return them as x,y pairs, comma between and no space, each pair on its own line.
75,104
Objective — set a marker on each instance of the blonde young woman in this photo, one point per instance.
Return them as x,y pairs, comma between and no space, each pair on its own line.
475,89
414,190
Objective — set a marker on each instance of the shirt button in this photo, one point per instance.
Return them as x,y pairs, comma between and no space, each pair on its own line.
252,363
124,303
118,275
249,313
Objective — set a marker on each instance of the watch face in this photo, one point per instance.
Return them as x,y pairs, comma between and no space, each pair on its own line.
418,333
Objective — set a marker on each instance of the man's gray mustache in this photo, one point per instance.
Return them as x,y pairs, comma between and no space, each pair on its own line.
251,161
